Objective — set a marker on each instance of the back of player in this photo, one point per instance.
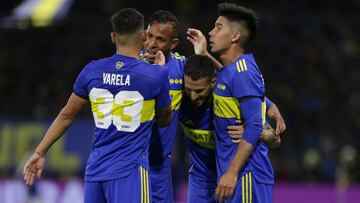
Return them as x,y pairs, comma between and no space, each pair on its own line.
124,93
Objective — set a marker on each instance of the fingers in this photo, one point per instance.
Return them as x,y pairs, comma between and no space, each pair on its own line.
234,135
191,40
193,32
236,128
39,172
160,58
29,177
231,192
239,122
219,193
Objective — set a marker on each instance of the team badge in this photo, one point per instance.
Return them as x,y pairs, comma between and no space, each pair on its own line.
119,64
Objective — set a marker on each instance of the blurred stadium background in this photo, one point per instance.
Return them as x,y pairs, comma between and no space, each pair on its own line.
308,52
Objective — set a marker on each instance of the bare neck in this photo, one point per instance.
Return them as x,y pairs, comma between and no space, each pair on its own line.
131,51
230,55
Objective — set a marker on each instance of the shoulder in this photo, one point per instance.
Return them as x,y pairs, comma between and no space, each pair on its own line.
178,57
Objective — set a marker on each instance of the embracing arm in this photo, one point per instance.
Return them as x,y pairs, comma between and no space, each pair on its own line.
251,112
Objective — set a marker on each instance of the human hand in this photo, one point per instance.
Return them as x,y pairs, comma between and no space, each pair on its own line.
198,40
33,168
236,131
226,186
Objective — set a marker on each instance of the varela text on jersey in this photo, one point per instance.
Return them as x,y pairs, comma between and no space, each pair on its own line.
116,79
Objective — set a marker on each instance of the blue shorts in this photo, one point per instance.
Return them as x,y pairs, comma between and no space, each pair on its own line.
248,190
201,194
133,188
161,184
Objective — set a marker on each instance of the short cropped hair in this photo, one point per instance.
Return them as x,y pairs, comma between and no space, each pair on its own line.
162,16
127,21
241,15
199,67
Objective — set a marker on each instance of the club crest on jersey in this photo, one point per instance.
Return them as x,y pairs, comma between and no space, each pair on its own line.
119,64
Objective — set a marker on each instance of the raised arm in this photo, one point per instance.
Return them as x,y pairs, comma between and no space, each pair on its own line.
199,42
35,164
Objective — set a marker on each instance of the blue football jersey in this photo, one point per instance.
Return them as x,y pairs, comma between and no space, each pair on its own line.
123,92
162,139
240,79
197,125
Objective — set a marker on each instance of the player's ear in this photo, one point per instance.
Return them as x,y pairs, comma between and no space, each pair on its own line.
174,43
113,38
144,36
236,37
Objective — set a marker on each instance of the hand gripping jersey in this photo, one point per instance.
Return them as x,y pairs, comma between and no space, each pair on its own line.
198,127
124,93
240,79
162,139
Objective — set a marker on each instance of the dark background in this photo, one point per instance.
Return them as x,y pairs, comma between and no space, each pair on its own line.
307,50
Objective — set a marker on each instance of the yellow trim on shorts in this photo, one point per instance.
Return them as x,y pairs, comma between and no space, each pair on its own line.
144,180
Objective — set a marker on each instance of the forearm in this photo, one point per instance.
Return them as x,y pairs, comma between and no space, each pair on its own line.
55,131
218,65
242,154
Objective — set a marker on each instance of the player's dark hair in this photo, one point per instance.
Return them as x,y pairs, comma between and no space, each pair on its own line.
198,67
127,20
162,16
244,16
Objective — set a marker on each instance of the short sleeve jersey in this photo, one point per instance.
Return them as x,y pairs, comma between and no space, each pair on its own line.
123,92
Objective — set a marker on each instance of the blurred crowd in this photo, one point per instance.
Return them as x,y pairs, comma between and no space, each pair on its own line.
308,53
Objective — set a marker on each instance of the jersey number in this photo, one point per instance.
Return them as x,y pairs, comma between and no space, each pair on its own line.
124,111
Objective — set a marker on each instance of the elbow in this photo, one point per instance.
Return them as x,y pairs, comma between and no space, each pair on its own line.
164,121
66,114
163,117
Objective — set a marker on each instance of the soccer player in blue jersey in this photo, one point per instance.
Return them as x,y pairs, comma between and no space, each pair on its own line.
162,35
196,116
126,95
244,170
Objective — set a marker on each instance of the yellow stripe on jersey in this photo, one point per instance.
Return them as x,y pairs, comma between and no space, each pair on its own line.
245,66
238,66
204,138
263,112
148,110
95,107
176,96
241,65
226,107
229,107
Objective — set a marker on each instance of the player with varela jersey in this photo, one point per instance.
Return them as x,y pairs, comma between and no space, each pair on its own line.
127,95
